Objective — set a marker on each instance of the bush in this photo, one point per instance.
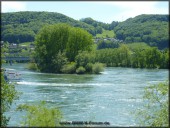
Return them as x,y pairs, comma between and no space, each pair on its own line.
8,96
97,68
89,67
80,70
57,62
40,115
69,68
155,112
84,57
32,66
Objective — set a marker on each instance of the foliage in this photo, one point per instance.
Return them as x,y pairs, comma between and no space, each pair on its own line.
155,111
57,62
8,95
80,70
40,115
78,40
85,57
99,25
55,40
89,67
137,46
151,29
69,68
135,57
97,68
32,66
19,27
106,34
107,44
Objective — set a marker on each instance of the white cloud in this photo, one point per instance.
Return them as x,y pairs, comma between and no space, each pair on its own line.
131,9
12,6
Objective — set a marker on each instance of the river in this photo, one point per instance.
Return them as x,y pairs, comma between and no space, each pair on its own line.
112,96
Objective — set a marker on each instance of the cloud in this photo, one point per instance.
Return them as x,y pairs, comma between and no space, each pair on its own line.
131,9
12,6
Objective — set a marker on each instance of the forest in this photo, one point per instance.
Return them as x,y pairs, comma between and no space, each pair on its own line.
20,27
151,29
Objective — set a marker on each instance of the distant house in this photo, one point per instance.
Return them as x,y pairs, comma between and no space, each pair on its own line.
11,46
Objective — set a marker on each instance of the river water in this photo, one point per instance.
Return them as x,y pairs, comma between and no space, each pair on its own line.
113,96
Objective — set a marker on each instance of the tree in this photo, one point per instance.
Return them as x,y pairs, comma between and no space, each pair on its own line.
79,40
59,38
155,111
124,55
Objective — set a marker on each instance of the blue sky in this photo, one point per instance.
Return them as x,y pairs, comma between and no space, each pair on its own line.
105,11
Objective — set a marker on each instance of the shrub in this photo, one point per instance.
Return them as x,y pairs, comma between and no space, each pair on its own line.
57,62
40,115
155,112
8,97
97,68
89,67
84,57
32,66
80,70
69,68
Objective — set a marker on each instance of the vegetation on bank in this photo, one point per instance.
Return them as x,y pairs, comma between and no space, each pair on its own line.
61,48
155,111
8,95
135,57
40,115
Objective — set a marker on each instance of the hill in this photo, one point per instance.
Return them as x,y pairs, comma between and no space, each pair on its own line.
18,27
151,29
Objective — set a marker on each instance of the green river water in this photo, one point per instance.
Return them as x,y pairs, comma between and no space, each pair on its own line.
113,96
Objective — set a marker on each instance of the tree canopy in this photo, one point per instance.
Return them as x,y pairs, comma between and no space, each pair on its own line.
57,44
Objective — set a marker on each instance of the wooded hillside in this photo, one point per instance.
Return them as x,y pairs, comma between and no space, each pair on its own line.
151,29
19,27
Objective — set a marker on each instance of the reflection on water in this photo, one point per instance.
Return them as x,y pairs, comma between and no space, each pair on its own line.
112,96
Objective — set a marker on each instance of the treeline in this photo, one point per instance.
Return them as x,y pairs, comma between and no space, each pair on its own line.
102,44
151,29
137,58
99,25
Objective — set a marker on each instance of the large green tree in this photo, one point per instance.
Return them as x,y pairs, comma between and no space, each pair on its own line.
54,40
78,40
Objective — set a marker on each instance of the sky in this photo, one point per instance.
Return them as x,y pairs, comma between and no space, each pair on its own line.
104,11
